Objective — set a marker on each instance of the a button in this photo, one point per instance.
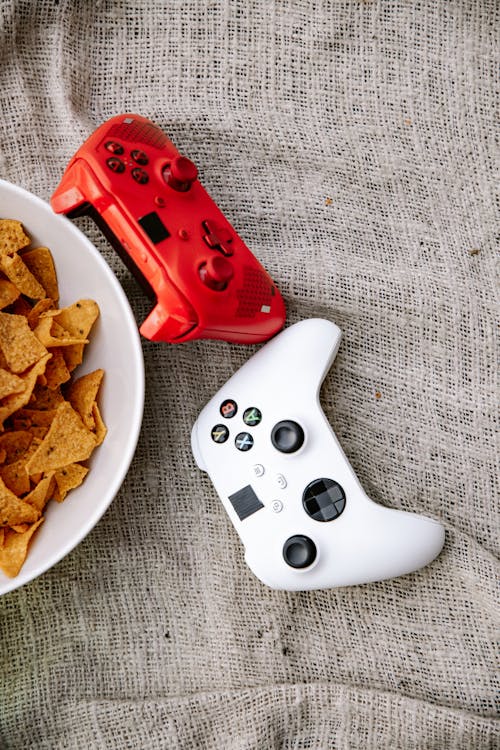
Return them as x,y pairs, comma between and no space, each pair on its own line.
216,273
140,176
139,157
220,433
228,408
277,506
243,441
180,174
160,201
245,502
324,499
287,436
217,237
299,551
258,470
114,147
115,164
281,481
252,416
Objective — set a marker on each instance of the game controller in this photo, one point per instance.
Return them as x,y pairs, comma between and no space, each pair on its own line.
288,488
148,202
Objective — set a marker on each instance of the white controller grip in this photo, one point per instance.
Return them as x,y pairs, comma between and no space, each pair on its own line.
289,490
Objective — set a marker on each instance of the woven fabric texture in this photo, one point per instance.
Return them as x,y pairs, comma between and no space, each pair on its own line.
351,144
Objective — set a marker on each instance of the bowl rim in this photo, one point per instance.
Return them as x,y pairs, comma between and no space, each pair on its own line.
136,412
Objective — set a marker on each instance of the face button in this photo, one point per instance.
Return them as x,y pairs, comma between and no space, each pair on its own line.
299,551
140,176
116,165
245,502
324,500
287,436
217,237
114,147
139,157
180,174
243,441
252,416
216,273
220,433
228,408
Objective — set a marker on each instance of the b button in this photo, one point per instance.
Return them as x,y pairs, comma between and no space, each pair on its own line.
228,408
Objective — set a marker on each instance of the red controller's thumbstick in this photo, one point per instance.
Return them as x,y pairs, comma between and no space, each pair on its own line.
216,273
180,173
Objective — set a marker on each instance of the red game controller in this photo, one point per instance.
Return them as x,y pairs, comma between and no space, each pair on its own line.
147,200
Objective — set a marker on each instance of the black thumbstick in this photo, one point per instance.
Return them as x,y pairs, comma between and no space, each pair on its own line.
287,436
299,551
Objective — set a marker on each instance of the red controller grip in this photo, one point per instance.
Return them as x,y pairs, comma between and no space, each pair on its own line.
148,201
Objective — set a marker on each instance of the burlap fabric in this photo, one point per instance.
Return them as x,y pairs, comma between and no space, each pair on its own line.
351,145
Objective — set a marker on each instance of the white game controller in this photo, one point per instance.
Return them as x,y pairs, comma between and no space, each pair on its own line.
294,500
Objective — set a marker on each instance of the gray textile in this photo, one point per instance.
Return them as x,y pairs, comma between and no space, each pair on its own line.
351,145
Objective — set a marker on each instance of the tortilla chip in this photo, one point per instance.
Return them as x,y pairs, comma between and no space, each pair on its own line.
78,319
21,307
16,477
15,444
50,333
46,399
82,393
42,493
34,314
10,383
19,345
17,272
13,510
12,236
8,293
20,527
10,404
15,548
100,428
56,371
67,441
41,264
68,478
36,422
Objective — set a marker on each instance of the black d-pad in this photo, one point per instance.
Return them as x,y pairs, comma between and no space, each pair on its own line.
324,499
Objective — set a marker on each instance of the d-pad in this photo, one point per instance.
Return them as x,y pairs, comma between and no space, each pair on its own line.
324,499
217,237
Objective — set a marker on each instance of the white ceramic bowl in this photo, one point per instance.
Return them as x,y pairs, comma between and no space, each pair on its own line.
115,346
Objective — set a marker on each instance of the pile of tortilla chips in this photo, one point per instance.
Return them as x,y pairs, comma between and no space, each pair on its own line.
49,423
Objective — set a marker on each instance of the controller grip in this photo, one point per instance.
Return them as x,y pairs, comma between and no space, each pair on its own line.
172,318
79,186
